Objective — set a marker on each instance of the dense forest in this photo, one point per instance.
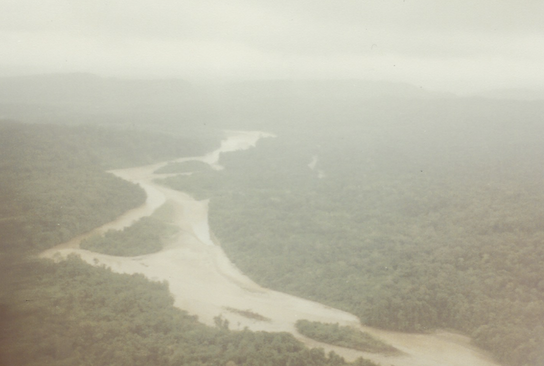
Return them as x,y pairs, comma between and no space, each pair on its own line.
413,214
142,237
70,313
425,216
343,336
53,189
183,167
54,186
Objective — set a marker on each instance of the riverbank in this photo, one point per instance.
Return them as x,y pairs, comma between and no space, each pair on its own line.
205,283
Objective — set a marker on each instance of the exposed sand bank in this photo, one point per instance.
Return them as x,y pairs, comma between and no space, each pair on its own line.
205,283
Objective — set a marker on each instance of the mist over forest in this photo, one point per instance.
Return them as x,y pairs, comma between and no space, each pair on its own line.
415,212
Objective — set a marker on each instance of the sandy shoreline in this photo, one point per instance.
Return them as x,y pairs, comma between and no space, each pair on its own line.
205,283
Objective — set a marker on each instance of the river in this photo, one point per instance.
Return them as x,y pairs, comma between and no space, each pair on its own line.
205,283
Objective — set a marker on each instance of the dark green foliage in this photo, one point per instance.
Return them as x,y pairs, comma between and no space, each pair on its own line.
249,314
143,237
408,232
53,189
119,148
73,314
53,185
201,185
343,336
183,167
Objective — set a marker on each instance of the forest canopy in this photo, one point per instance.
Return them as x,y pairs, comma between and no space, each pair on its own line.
54,185
183,167
145,236
418,222
343,336
423,216
86,315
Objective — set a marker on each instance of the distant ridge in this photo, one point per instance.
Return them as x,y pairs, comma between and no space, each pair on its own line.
514,94
87,98
350,89
86,88
82,88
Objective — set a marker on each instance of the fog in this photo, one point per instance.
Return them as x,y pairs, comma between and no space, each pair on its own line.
241,183
461,46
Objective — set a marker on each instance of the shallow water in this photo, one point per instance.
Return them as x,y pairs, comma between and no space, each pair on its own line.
205,283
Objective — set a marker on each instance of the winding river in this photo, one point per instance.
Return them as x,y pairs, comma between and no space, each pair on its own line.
205,283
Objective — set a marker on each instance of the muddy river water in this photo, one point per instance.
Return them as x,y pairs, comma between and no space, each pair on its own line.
205,283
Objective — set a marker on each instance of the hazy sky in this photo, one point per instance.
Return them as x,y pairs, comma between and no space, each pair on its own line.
459,45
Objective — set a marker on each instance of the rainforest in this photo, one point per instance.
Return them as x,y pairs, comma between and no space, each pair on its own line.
273,228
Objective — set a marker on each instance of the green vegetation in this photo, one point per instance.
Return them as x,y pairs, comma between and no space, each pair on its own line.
73,314
200,185
343,336
182,167
145,236
429,216
54,187
407,232
249,314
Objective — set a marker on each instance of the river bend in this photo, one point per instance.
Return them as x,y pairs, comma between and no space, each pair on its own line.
205,283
